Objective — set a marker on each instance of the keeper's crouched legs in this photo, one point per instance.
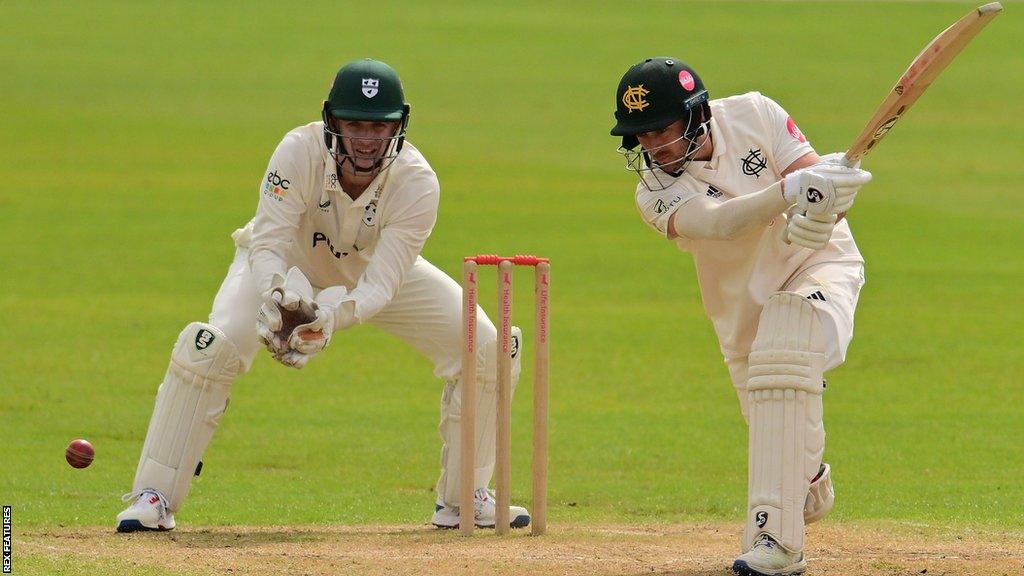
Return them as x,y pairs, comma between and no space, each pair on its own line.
450,428
189,404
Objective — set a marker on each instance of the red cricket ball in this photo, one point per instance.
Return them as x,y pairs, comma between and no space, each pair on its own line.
79,453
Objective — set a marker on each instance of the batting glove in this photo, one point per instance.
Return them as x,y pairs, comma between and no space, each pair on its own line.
824,189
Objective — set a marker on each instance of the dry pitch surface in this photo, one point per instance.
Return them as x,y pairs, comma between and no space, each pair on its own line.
701,549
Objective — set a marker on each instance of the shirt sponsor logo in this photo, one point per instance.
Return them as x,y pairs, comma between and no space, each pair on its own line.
794,131
660,207
714,192
320,237
275,186
754,163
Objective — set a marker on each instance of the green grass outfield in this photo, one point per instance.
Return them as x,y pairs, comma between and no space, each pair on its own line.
134,136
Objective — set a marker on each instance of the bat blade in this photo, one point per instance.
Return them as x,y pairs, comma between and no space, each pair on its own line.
935,57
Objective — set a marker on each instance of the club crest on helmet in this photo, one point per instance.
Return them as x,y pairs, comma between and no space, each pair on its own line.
634,98
370,87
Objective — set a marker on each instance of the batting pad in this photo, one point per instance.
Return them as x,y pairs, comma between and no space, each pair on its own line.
486,422
193,395
786,432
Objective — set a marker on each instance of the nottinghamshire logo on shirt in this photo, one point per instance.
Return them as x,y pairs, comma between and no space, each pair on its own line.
275,186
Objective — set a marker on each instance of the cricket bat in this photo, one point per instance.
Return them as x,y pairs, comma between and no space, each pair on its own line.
918,77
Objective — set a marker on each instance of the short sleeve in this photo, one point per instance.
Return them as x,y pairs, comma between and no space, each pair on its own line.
657,206
788,142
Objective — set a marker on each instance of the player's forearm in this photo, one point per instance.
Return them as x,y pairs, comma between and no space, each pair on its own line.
401,242
703,219
395,254
264,264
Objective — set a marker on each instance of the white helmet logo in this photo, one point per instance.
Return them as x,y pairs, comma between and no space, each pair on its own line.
370,87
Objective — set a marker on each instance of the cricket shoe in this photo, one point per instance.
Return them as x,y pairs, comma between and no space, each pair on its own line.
148,512
768,558
484,506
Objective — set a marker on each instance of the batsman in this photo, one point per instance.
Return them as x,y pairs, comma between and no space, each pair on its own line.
345,208
735,183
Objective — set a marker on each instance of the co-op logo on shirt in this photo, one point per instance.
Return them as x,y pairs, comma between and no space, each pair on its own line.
275,186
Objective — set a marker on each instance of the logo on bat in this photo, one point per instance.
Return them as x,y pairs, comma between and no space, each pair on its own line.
885,127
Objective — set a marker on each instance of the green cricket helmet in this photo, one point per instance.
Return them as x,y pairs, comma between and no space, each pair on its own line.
652,95
365,90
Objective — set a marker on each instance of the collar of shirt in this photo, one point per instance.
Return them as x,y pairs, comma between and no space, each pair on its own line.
332,183
697,167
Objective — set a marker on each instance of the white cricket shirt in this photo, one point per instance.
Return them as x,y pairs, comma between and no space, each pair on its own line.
754,140
304,219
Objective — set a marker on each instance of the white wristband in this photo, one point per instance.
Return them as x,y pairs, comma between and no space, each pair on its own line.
791,187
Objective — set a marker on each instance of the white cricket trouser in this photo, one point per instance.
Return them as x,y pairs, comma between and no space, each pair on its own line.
833,288
427,314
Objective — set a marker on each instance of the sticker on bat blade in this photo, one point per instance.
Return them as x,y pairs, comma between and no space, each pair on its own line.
885,127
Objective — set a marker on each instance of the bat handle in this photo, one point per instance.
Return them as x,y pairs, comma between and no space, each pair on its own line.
849,163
